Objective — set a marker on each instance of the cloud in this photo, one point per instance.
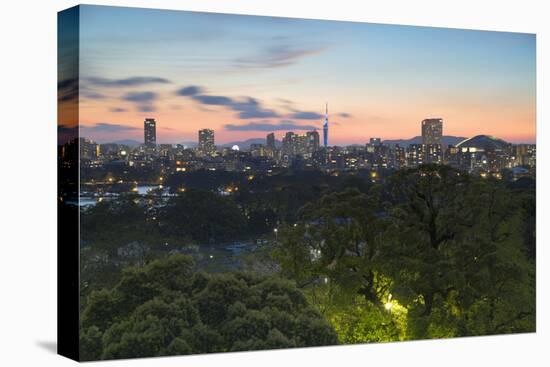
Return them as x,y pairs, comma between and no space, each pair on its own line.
286,104
247,107
287,125
72,90
250,108
146,107
277,56
105,127
213,100
126,82
143,100
118,109
67,89
345,115
190,90
140,97
85,93
305,115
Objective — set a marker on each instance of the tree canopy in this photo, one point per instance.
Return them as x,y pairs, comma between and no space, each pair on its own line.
166,308
447,248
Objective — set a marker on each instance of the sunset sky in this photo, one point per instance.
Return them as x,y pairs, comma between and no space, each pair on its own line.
246,76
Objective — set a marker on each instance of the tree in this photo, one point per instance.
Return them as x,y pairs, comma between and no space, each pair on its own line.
444,248
454,252
165,308
338,238
202,216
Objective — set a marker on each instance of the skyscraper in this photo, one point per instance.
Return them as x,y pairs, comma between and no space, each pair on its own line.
270,141
312,141
325,127
432,131
150,133
206,142
288,143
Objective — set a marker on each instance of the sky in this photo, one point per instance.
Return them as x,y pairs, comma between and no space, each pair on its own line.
246,76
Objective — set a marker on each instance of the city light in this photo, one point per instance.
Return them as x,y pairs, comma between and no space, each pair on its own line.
483,156
389,304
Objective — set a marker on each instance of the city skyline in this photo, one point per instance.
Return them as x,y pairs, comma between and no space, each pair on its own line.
315,182
276,74
426,136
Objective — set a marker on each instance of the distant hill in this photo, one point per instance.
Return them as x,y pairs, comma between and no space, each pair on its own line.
245,144
128,142
445,140
189,144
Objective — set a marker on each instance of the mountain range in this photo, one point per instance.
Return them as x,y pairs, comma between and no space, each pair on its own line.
245,144
445,141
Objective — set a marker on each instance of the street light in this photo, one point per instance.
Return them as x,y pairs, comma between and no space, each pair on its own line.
388,305
276,231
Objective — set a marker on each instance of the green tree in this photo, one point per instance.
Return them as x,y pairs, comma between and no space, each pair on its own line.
431,253
454,252
338,239
165,308
203,216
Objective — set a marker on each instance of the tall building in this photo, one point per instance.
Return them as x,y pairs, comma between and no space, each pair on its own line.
257,150
288,143
270,141
150,133
88,149
206,142
525,154
432,131
325,127
300,144
415,155
400,156
375,141
312,141
433,153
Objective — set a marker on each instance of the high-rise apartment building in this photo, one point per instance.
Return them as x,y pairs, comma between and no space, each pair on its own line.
206,142
270,141
150,133
312,141
432,131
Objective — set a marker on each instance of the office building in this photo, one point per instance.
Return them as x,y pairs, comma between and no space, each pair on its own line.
270,141
206,142
150,133
432,131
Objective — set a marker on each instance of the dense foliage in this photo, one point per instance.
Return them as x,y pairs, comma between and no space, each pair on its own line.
441,247
165,308
428,252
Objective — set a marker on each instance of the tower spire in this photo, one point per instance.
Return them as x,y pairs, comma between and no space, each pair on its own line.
325,127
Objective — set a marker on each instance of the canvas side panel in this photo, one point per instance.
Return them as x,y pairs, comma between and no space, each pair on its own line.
67,173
